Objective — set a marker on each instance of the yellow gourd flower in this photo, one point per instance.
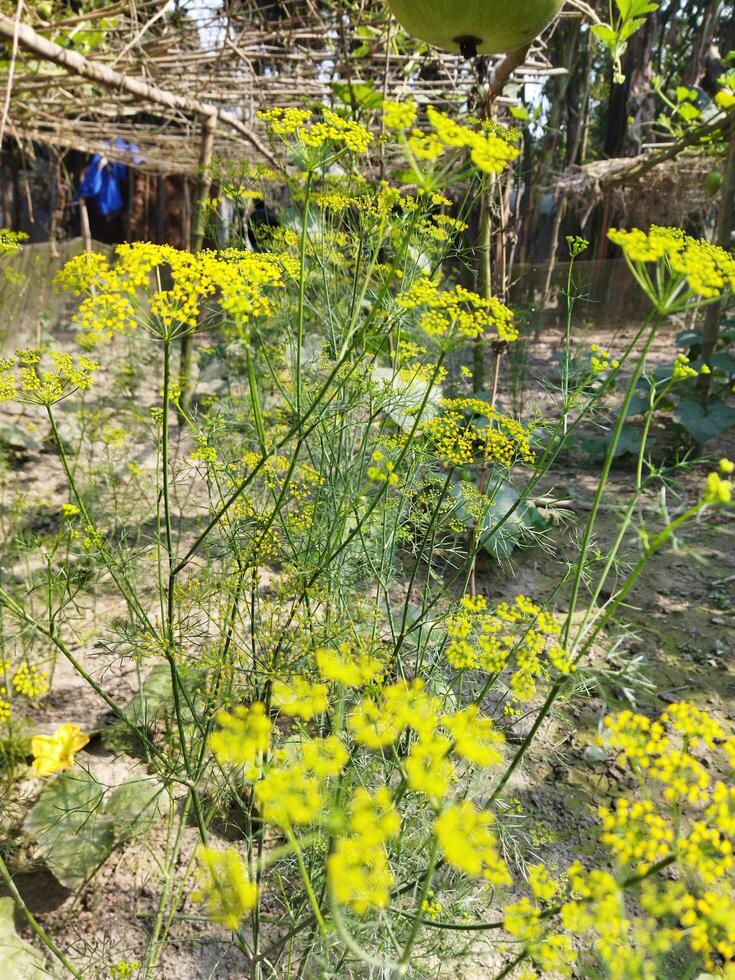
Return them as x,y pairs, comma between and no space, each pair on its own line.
55,753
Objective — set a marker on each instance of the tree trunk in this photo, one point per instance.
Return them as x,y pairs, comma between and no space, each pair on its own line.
724,239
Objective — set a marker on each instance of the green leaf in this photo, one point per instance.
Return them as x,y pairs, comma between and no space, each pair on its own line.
18,959
135,806
362,94
14,437
519,112
77,823
605,33
705,422
689,112
73,833
156,693
402,398
629,441
724,361
502,527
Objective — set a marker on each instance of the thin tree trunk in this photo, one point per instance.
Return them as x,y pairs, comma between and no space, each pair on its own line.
724,239
206,151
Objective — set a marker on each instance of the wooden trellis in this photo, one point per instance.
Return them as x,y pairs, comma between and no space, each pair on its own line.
166,69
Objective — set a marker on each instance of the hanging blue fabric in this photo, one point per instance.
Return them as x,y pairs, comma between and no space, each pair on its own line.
101,180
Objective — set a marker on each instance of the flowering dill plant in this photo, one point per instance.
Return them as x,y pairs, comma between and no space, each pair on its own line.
326,682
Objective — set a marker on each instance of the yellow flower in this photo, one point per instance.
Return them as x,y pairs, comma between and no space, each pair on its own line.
345,667
398,115
468,842
54,753
718,491
244,735
30,681
475,738
225,887
360,875
428,770
298,698
542,885
373,817
289,795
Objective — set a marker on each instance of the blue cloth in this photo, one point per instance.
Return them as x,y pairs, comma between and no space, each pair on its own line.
102,182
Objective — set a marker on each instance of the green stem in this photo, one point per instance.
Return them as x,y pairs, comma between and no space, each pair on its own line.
416,925
302,290
33,922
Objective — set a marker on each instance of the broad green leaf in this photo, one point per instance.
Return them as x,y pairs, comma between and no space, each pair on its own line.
605,33
156,693
18,959
629,441
505,519
689,112
362,94
403,397
73,833
519,112
76,823
705,422
135,806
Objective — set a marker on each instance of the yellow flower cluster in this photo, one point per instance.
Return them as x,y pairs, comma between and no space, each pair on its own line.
491,150
244,736
298,698
707,269
682,369
457,312
601,361
5,706
636,834
468,842
112,288
521,636
331,128
224,886
30,681
24,379
10,241
347,668
459,440
399,115
358,868
718,492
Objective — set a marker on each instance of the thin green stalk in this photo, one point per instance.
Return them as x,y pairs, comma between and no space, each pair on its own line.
416,925
602,483
307,882
302,289
34,924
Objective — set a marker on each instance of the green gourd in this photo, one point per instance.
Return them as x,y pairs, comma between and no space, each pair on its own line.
474,27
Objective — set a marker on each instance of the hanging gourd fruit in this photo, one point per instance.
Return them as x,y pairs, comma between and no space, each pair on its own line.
476,26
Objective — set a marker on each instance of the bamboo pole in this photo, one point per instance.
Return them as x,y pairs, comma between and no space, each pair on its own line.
204,182
724,239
